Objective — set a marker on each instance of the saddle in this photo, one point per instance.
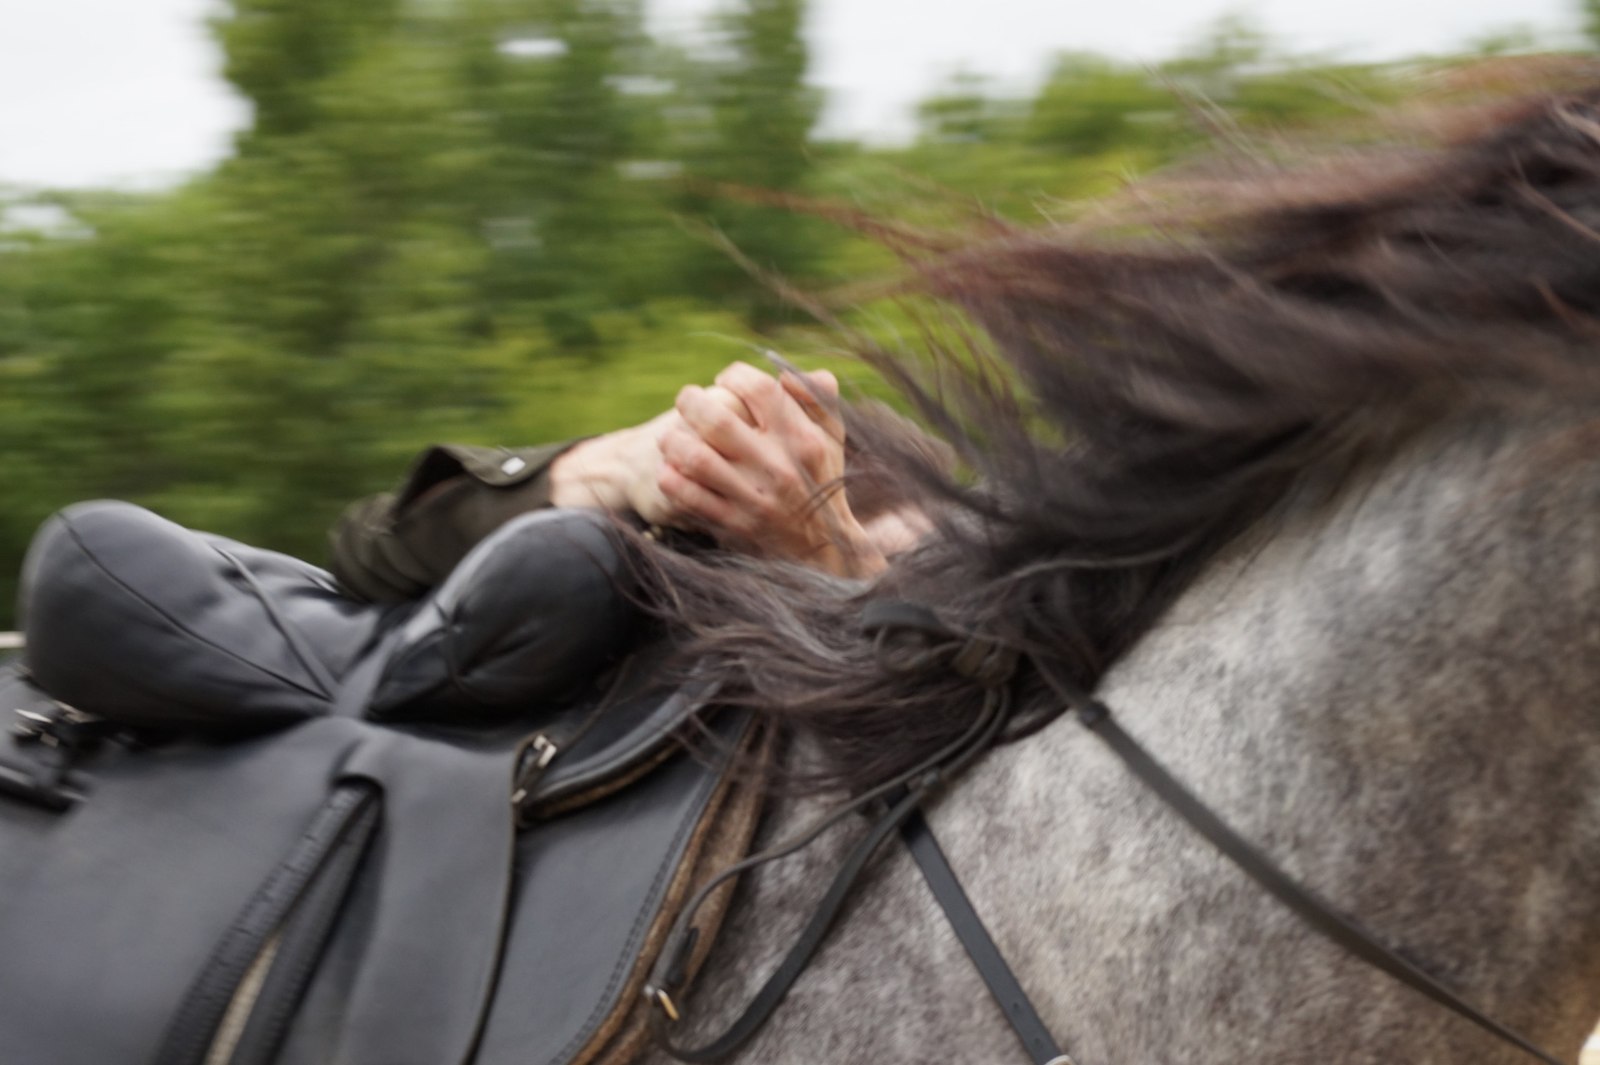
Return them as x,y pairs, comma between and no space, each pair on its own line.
246,820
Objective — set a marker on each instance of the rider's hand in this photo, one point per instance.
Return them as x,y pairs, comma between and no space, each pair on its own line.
621,470
769,479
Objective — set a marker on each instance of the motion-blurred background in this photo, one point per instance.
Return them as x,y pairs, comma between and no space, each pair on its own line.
254,254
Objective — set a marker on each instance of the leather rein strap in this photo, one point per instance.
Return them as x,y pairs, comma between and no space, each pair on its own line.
897,801
1094,715
901,800
986,957
1344,931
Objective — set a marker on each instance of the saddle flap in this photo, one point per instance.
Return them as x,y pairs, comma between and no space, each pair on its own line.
409,971
596,890
120,900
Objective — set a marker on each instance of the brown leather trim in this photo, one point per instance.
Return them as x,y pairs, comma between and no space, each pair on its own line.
722,837
611,784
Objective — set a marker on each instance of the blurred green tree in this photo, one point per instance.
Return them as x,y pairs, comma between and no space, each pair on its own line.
1229,48
1090,104
965,110
279,51
758,146
475,220
550,80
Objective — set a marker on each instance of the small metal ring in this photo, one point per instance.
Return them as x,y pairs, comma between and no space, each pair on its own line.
670,1008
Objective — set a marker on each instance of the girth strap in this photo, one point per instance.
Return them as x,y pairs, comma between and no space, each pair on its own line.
981,948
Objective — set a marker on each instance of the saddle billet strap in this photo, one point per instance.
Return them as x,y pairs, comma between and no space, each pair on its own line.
351,810
256,1029
1342,930
980,946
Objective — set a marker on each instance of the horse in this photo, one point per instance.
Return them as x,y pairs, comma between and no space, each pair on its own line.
1310,497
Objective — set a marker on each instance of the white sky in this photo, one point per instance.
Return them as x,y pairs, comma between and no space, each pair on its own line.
127,91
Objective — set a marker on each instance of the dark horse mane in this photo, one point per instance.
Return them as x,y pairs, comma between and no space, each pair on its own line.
1135,407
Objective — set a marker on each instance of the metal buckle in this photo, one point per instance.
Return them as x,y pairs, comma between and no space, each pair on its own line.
33,727
660,997
536,758
50,782
63,726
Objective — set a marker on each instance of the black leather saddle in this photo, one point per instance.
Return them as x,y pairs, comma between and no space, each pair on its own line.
246,820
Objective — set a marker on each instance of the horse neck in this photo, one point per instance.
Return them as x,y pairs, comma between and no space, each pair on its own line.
1395,700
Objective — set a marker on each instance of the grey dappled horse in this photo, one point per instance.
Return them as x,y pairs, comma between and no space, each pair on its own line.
1321,518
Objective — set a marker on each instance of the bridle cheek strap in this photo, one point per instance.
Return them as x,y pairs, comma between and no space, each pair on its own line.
1342,930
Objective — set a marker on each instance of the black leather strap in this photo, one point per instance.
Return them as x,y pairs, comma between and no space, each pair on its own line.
890,616
298,946
192,1029
1344,931
985,955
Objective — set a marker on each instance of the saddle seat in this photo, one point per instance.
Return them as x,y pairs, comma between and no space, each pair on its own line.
244,819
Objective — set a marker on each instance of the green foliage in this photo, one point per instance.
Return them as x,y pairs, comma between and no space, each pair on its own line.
485,220
965,110
1091,104
1229,47
279,51
756,145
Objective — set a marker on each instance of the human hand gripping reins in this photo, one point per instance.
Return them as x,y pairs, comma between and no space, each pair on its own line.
767,476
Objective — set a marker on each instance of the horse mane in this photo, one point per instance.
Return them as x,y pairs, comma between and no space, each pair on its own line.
1131,406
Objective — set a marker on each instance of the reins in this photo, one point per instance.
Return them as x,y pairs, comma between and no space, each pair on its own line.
992,664
1343,930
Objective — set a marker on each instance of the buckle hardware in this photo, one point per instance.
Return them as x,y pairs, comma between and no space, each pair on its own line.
536,758
66,726
660,997
33,727
65,733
